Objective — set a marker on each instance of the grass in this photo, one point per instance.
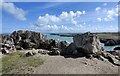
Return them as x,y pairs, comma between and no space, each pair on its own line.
17,60
104,35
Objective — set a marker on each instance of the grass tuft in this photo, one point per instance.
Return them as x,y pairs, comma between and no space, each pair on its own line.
17,60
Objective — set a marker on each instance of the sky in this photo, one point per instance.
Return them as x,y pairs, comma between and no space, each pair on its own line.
60,17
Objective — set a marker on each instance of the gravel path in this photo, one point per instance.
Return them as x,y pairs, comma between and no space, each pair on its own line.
61,65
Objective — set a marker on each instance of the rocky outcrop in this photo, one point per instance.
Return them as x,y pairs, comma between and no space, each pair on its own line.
30,39
109,42
87,43
27,39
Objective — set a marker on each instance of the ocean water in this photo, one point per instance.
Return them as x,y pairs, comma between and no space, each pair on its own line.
70,39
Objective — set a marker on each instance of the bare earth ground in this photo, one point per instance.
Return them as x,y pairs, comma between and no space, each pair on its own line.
61,65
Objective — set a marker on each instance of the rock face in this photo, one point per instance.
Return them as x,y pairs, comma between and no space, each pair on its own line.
28,39
87,43
69,50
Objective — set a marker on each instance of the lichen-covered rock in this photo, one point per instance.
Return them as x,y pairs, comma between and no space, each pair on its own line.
87,43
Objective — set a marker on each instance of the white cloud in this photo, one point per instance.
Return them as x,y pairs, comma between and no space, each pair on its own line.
105,4
99,19
0,3
14,10
108,14
65,22
98,8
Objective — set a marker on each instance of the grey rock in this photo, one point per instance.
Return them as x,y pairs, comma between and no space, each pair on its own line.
87,43
70,50
4,51
113,60
117,48
54,51
110,42
30,53
28,39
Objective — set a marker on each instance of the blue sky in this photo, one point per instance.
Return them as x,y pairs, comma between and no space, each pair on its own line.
60,17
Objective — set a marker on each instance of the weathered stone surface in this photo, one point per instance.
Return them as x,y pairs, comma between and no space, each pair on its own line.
70,50
18,47
113,60
63,45
28,39
30,53
116,48
54,51
87,43
4,51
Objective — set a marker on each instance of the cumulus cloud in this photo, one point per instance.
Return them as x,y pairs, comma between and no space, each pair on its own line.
98,8
78,21
63,22
105,4
109,14
14,10
99,19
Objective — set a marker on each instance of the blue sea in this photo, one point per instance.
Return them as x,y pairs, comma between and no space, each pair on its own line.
70,39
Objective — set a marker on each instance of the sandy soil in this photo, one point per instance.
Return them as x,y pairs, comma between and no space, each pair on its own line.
61,65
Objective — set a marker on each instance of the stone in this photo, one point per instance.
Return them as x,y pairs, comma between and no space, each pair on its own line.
43,51
87,43
18,47
69,50
113,60
63,45
110,42
28,39
29,53
115,53
4,51
116,48
54,51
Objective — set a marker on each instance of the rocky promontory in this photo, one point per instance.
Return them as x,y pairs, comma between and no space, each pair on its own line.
84,45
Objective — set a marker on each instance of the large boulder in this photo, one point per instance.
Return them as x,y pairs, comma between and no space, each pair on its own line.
87,43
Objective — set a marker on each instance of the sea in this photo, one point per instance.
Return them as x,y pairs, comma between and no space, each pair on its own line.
70,39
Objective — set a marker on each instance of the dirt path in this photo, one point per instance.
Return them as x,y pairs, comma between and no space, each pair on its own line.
61,65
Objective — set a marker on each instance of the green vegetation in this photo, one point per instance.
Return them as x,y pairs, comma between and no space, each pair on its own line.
104,35
17,60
